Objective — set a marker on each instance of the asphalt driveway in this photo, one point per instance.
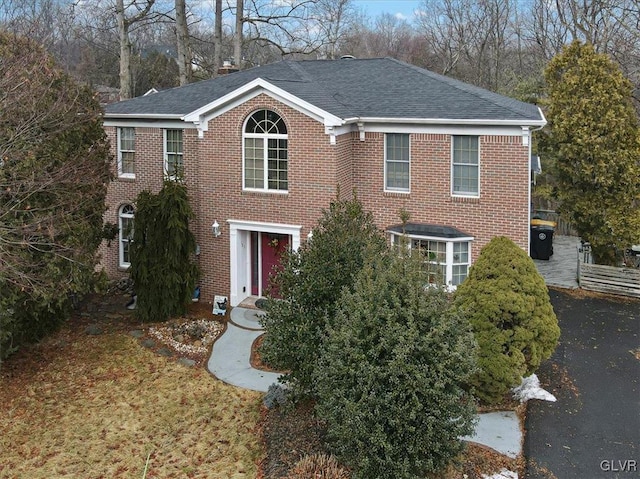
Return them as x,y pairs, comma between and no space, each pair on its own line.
593,430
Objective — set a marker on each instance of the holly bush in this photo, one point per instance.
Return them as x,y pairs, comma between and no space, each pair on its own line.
392,375
310,284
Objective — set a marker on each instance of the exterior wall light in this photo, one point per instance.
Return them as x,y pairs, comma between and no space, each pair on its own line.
215,229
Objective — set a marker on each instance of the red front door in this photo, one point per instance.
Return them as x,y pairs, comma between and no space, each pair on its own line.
267,253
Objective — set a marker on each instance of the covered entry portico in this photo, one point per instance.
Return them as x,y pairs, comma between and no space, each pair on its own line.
254,248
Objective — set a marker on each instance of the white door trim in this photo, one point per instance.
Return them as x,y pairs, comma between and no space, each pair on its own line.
240,254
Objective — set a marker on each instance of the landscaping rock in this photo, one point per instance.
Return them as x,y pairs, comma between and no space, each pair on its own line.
149,343
136,333
187,362
165,352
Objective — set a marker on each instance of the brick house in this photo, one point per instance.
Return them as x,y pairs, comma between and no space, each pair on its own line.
264,150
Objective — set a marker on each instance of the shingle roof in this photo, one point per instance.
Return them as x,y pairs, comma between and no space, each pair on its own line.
438,231
354,88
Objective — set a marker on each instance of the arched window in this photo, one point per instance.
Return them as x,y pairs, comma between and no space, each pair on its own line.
265,152
125,225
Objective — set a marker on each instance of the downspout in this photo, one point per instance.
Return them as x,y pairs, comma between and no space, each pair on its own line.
530,131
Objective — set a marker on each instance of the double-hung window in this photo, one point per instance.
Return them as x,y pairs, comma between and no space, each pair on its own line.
465,166
266,161
126,152
125,226
173,152
397,162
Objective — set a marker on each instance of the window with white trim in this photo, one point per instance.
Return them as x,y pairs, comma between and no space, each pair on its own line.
396,162
125,226
126,152
173,154
265,152
446,260
465,175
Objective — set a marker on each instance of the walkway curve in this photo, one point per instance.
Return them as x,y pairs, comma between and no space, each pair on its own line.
230,362
231,353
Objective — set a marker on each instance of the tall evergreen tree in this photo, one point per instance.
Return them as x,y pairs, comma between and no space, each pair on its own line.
54,170
163,270
594,137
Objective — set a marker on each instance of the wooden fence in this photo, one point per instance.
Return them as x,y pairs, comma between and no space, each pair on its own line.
609,279
563,227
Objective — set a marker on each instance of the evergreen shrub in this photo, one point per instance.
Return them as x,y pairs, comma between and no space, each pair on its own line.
507,303
163,268
392,375
310,283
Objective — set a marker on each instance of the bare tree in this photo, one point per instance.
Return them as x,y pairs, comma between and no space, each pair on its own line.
124,24
217,36
182,42
334,19
238,38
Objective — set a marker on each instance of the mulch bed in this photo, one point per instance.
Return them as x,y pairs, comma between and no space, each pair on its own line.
289,434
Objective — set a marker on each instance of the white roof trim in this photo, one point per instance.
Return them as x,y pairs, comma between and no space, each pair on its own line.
442,239
201,115
136,122
453,121
441,128
151,116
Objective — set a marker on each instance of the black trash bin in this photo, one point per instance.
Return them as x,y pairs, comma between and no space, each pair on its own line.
541,241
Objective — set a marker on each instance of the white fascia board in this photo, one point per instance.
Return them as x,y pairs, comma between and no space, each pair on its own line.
265,227
544,118
460,239
436,128
138,122
151,116
454,121
252,89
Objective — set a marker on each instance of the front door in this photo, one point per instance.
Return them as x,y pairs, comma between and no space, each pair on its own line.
266,252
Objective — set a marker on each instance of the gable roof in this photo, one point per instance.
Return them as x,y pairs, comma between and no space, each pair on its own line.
378,88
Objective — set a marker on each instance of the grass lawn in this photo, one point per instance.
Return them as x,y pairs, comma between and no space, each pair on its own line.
79,406
104,406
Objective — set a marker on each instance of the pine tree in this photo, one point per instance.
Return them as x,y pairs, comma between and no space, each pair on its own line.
594,137
162,265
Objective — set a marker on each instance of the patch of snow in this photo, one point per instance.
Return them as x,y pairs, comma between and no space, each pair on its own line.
530,389
504,474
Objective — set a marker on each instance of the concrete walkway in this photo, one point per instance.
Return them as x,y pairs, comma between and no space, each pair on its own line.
230,357
230,362
561,269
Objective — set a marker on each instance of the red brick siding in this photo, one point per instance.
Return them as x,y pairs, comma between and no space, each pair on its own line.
213,170
149,174
312,172
501,209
